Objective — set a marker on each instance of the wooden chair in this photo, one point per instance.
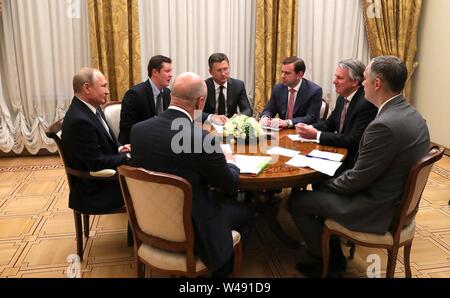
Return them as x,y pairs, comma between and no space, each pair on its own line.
54,132
112,114
403,228
324,110
160,212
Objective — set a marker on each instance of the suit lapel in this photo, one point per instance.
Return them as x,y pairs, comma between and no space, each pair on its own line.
300,96
229,98
150,101
211,95
166,98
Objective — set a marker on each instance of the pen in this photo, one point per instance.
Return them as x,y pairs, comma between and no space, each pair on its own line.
312,156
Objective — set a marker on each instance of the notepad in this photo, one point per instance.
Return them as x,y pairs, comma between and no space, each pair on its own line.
299,138
250,164
282,151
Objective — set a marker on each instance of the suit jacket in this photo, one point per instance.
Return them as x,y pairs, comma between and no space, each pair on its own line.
138,104
307,103
152,149
88,147
236,96
369,194
360,113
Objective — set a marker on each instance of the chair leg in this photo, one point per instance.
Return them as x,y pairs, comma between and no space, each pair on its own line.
140,268
86,225
325,250
352,249
406,253
392,262
130,240
78,234
237,259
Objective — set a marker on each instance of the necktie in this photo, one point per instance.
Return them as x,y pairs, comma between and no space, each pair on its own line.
343,114
105,125
159,104
221,107
291,103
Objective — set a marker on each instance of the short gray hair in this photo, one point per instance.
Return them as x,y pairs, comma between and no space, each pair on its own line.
355,69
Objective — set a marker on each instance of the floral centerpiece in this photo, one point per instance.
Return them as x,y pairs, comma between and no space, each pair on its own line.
242,127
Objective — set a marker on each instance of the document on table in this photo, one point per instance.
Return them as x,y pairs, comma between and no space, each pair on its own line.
271,128
251,164
326,155
226,148
299,138
218,128
328,167
282,151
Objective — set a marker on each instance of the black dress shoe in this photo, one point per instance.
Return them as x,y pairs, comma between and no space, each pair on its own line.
311,266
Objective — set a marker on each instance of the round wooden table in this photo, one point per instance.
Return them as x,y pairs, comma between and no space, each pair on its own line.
280,175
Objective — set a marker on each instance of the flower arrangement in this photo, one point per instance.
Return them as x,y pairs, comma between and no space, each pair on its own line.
242,127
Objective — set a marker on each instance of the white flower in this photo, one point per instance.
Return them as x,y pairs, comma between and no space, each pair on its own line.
242,126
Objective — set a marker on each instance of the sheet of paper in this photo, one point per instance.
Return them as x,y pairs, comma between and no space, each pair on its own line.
250,164
271,128
299,138
328,167
299,161
218,128
282,151
326,155
226,148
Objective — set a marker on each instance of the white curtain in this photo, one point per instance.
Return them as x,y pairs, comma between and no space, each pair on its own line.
42,44
188,31
330,31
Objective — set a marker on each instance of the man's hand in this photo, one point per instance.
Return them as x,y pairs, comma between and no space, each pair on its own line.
278,123
264,121
125,148
230,158
306,131
219,119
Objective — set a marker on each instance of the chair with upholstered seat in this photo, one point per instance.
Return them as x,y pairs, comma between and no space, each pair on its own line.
112,114
403,227
324,110
54,132
159,207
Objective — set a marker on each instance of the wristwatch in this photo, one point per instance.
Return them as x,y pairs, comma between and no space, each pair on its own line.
289,123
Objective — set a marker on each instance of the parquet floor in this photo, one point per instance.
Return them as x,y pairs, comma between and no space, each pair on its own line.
37,231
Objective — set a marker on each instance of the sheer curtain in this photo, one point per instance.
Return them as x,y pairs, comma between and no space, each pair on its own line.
330,31
42,44
189,31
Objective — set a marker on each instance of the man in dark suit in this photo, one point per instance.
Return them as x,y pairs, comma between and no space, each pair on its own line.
91,145
169,143
351,116
295,100
147,99
365,197
225,94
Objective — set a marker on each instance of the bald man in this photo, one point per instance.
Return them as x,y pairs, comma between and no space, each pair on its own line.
167,144
90,145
